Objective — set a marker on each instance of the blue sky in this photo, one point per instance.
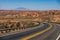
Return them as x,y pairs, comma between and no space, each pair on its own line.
30,4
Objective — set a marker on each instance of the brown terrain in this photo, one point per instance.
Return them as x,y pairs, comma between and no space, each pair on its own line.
14,15
12,19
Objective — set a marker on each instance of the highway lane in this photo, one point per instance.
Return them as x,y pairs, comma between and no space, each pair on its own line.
33,31
49,35
39,31
27,33
36,35
55,34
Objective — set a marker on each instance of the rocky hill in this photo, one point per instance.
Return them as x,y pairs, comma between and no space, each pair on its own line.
53,15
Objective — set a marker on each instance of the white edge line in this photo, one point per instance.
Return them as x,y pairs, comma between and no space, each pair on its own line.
58,37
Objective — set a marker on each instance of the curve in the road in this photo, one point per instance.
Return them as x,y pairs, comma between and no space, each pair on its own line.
36,34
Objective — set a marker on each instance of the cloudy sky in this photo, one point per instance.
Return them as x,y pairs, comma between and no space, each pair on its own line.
30,4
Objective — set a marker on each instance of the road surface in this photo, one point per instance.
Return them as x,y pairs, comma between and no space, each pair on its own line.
43,33
49,35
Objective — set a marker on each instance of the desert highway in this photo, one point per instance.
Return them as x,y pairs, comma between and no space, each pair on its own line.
49,34
46,32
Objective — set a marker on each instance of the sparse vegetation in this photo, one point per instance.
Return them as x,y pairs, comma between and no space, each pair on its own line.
11,19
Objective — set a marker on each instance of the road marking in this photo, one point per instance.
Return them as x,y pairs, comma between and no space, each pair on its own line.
36,34
58,37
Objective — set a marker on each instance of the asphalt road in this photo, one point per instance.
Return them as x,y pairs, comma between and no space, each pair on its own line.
55,33
24,34
51,34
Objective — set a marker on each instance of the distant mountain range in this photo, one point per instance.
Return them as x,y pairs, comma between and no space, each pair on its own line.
21,8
